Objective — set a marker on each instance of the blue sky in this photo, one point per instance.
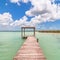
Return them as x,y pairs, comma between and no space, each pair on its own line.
16,11
39,13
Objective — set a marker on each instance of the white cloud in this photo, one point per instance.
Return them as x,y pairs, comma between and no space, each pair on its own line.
15,1
19,22
42,11
8,23
45,9
5,18
25,1
18,1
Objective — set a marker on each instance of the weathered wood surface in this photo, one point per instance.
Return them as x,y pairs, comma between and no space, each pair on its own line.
30,50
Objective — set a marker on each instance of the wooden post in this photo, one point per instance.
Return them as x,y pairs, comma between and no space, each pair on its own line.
21,32
34,31
24,32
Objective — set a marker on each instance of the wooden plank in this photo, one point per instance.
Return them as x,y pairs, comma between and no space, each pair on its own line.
30,50
27,27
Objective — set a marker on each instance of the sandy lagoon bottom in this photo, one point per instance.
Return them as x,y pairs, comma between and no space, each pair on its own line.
10,42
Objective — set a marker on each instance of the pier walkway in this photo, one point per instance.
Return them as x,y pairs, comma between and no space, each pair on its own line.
30,50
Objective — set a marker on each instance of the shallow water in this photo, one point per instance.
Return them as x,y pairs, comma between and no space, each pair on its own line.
10,42
50,43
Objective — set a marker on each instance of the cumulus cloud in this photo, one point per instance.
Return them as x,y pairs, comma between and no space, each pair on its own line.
18,1
8,23
41,7
25,1
5,18
15,1
19,22
41,11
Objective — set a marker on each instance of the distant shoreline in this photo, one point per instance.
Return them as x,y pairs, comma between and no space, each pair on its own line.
50,31
42,31
10,31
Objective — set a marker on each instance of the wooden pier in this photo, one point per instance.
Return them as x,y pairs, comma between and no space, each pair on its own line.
30,50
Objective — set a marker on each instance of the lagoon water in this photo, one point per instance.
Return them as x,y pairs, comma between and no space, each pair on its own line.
10,43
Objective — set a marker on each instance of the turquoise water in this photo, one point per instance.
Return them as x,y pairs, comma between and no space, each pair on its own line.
50,43
10,42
